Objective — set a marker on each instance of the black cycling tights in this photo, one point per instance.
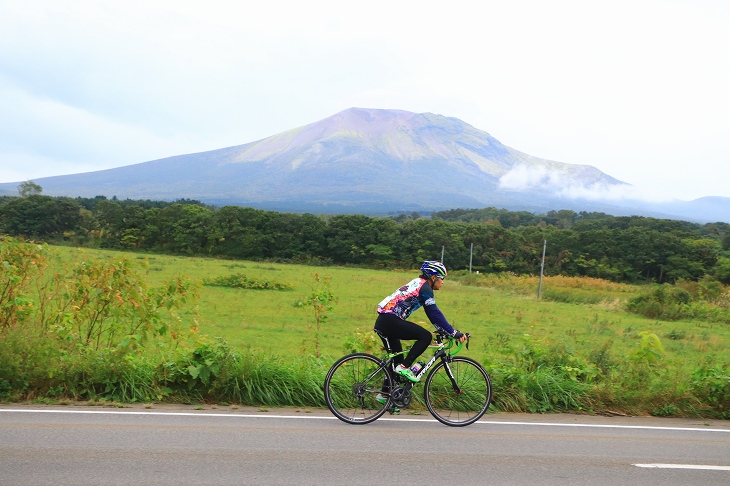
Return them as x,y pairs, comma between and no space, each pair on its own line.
395,329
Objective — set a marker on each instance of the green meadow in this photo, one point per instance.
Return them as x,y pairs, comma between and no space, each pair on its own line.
496,311
576,349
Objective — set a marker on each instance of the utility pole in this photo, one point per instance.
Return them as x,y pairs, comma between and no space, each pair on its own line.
542,268
471,252
442,253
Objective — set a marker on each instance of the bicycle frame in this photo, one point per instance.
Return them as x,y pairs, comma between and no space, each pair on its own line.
442,352
438,354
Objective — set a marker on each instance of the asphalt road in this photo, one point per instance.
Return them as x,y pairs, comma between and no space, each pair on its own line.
180,445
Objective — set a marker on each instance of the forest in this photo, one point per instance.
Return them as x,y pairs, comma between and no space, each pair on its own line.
490,240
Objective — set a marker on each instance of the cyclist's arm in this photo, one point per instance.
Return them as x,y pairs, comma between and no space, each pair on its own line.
438,320
435,315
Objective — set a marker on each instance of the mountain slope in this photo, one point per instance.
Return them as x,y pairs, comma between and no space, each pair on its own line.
356,157
364,160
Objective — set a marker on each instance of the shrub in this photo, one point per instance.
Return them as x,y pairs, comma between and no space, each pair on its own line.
362,341
241,281
201,372
29,360
650,350
21,264
711,384
570,296
108,304
704,300
4,389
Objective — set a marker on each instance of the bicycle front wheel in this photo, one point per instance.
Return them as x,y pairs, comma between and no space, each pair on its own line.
352,385
458,391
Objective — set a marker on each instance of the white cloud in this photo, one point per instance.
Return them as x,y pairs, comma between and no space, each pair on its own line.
524,178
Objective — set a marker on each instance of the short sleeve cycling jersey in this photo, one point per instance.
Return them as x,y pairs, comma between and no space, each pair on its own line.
411,297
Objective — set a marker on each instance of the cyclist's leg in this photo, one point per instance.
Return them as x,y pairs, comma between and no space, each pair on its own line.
384,328
395,329
423,338
390,345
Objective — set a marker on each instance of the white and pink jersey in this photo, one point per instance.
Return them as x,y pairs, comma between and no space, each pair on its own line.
412,296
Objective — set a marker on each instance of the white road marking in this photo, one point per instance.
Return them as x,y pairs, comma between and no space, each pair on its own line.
685,466
608,426
395,419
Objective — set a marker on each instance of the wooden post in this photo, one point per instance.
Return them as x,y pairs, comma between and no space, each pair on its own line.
542,269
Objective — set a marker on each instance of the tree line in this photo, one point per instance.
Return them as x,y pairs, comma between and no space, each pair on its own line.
622,249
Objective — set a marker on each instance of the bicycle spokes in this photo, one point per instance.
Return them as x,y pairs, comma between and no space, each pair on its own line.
458,392
352,386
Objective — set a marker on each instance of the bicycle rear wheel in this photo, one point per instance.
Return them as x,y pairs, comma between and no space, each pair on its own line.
351,386
458,392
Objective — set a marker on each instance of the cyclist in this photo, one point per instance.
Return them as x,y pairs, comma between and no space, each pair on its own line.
395,309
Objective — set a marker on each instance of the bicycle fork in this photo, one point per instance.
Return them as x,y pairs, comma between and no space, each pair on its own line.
449,373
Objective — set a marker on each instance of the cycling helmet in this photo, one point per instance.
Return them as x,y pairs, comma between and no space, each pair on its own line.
433,268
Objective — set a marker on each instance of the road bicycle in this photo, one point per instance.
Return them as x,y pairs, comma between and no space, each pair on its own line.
457,391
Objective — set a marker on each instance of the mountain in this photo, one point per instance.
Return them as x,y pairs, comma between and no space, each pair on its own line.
368,161
705,209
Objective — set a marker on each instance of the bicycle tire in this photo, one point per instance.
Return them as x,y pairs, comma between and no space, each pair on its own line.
470,403
351,386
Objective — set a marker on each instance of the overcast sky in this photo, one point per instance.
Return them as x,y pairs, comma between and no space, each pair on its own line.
639,89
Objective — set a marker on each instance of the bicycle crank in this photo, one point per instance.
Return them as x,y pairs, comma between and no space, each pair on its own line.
401,396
